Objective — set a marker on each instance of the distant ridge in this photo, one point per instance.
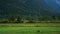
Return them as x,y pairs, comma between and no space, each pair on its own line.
25,8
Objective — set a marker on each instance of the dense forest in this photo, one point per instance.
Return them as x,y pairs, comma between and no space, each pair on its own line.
45,19
26,11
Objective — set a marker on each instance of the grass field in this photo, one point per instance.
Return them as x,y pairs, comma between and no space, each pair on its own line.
28,29
31,25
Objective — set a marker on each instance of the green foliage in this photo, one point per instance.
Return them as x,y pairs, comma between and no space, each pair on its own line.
18,19
16,11
30,21
3,21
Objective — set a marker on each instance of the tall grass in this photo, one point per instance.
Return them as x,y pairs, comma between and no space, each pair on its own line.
31,25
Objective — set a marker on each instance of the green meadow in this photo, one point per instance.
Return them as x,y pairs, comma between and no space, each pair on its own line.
13,29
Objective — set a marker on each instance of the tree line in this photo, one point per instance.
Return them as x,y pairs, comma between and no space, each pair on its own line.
45,19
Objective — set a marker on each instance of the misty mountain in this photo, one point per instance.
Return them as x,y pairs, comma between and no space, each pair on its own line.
25,8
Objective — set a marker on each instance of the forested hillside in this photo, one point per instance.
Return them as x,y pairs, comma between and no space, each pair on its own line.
18,10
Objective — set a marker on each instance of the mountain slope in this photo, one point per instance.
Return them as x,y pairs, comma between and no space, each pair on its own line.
25,8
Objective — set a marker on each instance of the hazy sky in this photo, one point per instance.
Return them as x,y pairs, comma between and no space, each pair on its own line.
55,4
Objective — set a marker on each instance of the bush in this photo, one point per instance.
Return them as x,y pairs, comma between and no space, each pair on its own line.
30,21
3,21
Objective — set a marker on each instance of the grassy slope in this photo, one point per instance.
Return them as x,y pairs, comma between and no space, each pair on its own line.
36,25
29,30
